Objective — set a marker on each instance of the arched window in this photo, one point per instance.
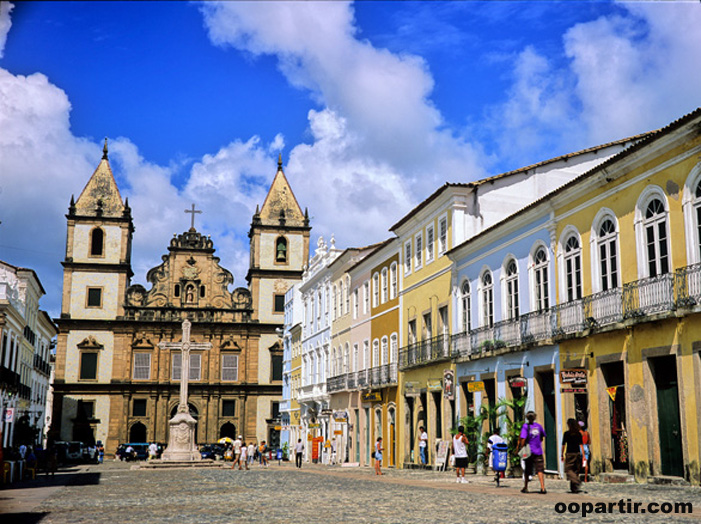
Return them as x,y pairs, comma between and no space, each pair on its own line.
97,242
393,281
375,353
347,288
356,358
466,320
655,226
335,302
573,268
540,272
375,290
346,358
385,351
393,348
608,254
384,284
366,354
511,283
281,250
487,300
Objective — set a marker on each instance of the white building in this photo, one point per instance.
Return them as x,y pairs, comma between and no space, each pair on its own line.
26,334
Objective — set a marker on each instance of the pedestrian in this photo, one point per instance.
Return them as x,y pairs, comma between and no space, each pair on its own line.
251,452
51,459
237,452
100,452
22,451
244,454
586,442
263,449
460,453
378,456
572,453
423,445
152,451
299,452
532,435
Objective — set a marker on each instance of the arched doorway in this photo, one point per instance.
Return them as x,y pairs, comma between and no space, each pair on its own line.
391,437
193,413
137,433
228,430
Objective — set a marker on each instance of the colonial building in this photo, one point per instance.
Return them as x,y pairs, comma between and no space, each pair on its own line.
113,382
26,335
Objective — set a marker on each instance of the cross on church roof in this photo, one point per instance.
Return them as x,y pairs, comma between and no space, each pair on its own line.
193,211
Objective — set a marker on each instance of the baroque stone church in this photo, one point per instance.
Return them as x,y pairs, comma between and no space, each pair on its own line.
113,383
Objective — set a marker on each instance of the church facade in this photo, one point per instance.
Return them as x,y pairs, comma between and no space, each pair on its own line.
113,382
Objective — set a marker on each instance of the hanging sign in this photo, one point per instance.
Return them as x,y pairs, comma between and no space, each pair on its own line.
340,416
472,387
448,384
9,414
612,392
372,396
573,380
411,389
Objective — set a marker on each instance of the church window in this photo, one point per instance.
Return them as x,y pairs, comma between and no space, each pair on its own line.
94,298
281,250
228,408
139,407
176,291
279,303
142,366
97,242
88,366
202,291
195,366
230,368
276,365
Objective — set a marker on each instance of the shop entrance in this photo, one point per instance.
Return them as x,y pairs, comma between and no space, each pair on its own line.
664,371
547,389
615,386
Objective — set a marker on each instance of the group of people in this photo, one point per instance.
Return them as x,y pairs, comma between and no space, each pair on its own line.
244,455
575,453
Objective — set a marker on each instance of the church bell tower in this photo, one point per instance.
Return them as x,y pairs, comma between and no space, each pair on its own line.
279,237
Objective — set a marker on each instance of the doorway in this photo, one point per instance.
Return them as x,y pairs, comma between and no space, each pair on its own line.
547,390
137,433
615,386
664,371
391,436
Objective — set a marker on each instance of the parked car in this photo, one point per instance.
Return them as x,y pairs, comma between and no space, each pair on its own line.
74,453
212,451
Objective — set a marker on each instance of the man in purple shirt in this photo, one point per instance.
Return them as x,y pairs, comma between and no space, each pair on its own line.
533,434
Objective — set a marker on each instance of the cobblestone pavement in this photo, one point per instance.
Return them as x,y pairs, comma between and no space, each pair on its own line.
116,494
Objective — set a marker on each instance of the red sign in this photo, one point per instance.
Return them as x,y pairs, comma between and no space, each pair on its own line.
316,444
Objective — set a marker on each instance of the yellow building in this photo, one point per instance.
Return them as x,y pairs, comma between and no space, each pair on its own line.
424,313
628,292
384,335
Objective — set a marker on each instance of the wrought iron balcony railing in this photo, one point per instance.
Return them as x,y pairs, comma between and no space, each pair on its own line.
687,286
568,318
337,383
648,296
604,308
423,351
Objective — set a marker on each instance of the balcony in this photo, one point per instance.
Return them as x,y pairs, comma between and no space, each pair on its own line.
568,318
687,286
648,296
41,365
536,326
9,380
604,308
363,379
423,351
337,383
352,380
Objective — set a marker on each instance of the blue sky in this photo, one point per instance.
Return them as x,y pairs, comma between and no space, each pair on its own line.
372,104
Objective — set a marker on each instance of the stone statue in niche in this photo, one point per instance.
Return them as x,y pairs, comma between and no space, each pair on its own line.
190,294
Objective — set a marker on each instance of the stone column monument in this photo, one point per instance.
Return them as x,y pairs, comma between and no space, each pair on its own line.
181,440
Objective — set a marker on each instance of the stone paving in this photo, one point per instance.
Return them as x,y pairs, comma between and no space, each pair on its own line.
116,494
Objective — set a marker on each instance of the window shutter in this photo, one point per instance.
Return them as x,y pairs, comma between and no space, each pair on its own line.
195,367
142,366
230,367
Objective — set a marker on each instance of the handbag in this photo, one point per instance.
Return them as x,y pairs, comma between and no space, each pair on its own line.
525,452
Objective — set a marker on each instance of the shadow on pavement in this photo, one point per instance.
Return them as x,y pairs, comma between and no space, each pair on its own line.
23,518
70,477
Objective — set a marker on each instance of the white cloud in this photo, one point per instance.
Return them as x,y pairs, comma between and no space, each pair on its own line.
376,125
639,71
5,24
627,73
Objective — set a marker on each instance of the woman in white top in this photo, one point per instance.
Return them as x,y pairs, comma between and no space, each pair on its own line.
244,455
460,454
